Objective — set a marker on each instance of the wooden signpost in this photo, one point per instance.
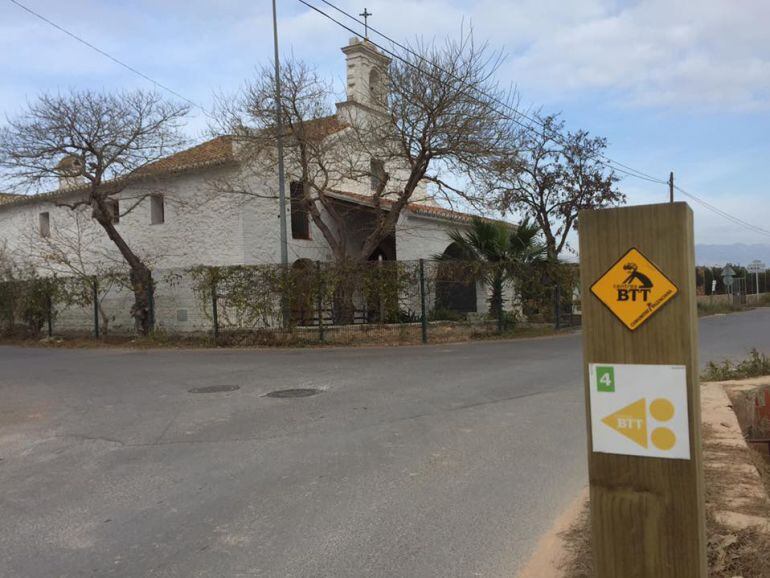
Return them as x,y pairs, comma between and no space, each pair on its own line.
640,340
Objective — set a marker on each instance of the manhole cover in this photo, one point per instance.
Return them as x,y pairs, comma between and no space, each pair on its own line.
293,393
214,389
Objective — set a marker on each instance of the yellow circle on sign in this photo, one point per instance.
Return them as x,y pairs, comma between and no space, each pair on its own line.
663,438
662,409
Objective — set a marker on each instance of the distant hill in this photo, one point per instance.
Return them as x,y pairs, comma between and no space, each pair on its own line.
737,253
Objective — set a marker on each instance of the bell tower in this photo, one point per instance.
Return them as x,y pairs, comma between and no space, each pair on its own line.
367,70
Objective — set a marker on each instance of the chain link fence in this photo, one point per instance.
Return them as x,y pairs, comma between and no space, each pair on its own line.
305,303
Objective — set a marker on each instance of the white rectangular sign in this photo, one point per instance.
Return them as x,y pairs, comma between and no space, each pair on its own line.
639,410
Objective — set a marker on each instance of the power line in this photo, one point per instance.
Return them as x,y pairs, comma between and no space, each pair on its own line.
619,167
610,163
107,55
732,218
625,169
553,134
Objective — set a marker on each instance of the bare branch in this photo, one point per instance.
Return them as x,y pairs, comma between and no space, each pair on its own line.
94,144
551,177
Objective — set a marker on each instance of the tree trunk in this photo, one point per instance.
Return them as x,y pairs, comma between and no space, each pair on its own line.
105,319
141,283
348,272
140,276
496,300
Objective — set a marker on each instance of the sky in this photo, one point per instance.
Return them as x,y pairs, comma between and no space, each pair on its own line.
673,85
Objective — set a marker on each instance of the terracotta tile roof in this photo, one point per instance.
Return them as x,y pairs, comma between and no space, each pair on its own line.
220,150
214,152
323,127
318,128
422,209
8,198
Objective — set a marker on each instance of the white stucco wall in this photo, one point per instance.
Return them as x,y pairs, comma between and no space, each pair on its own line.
421,238
199,227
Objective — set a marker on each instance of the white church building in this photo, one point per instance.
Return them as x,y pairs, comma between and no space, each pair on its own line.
174,222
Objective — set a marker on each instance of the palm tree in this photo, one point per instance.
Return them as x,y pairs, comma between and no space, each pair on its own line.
505,250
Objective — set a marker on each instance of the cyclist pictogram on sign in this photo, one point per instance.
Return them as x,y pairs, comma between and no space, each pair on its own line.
633,289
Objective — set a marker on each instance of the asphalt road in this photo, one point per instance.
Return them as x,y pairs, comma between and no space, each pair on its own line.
446,460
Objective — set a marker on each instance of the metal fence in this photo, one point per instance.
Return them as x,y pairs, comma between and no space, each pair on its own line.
307,302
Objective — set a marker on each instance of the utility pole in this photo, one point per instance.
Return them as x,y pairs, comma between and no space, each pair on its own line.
279,146
671,187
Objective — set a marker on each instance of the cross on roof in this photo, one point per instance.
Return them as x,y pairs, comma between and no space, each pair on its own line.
366,15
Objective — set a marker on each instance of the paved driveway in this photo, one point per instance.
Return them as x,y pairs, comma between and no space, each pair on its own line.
442,460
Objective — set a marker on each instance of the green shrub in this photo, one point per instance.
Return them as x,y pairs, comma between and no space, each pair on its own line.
441,314
757,364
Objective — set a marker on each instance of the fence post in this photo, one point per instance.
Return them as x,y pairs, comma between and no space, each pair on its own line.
423,313
95,289
4,294
285,300
501,307
12,305
49,310
151,302
557,305
215,308
320,301
640,349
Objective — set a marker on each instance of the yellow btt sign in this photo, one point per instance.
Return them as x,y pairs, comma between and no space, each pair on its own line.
639,410
633,289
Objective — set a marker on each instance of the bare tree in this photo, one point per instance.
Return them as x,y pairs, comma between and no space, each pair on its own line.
312,156
446,119
92,145
73,249
438,119
550,177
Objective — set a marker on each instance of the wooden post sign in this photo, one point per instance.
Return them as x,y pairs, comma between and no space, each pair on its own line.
637,270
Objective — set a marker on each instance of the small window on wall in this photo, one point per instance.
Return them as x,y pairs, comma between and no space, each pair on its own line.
377,171
113,206
300,221
157,210
45,224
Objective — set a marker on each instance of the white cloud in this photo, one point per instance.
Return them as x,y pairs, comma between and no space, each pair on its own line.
667,57
653,53
709,54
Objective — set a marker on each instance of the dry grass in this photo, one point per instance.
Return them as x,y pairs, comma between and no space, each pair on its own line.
579,561
762,462
719,308
733,553
708,307
755,365
360,335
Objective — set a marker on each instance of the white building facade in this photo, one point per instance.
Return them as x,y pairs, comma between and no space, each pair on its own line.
174,222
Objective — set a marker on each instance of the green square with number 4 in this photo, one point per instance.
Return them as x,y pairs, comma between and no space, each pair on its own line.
605,379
